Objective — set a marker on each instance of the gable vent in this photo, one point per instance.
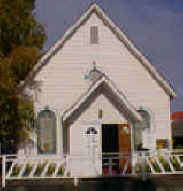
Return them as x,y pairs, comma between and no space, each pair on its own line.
94,35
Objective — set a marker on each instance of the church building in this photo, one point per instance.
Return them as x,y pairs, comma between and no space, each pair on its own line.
94,92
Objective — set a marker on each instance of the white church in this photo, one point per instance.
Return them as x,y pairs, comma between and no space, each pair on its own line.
94,92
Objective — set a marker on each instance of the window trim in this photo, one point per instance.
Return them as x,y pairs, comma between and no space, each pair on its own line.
141,108
55,132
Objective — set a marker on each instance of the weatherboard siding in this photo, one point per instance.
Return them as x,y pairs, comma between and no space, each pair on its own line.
89,118
80,144
63,78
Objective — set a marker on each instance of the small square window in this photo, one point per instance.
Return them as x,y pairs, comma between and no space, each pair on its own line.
94,35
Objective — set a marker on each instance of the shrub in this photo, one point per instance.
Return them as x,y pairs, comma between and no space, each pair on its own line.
16,170
175,163
68,174
61,170
147,168
39,169
138,168
51,169
155,165
28,170
164,163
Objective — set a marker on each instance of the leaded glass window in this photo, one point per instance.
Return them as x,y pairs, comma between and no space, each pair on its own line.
139,128
46,132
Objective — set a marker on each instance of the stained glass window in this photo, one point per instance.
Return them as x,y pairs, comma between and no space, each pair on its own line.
46,132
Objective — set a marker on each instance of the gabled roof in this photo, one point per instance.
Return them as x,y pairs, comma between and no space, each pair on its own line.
94,8
116,96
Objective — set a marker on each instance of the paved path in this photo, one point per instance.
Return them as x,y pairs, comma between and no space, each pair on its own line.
154,183
168,182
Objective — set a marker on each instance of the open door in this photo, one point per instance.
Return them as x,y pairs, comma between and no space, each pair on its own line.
116,138
124,134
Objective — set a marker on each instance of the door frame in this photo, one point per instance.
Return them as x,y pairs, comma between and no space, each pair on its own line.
130,126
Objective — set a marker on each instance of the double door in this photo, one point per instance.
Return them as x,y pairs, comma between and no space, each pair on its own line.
116,144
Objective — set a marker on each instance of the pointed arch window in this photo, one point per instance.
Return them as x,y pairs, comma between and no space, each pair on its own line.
46,132
140,128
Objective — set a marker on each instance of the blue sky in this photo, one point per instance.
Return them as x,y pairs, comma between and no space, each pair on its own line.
154,26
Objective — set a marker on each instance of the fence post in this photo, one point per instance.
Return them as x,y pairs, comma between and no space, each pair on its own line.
134,158
3,171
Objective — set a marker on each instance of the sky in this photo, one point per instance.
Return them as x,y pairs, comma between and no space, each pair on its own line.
154,26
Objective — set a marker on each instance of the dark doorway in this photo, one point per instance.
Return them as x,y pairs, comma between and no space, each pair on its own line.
110,143
116,147
178,142
110,148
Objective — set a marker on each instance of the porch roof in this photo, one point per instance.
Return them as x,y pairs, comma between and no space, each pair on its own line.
105,83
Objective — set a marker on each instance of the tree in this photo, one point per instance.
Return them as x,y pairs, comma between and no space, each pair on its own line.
21,42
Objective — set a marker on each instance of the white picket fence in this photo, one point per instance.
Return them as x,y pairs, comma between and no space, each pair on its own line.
139,163
22,167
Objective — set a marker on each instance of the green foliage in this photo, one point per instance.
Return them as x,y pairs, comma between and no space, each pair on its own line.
39,169
175,163
28,170
61,170
21,41
138,168
51,169
18,26
68,174
164,163
155,162
155,165
147,168
16,170
22,60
